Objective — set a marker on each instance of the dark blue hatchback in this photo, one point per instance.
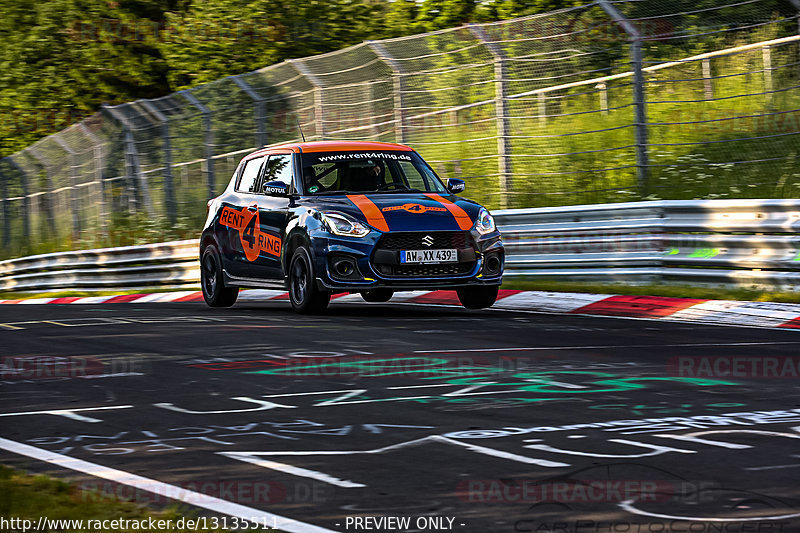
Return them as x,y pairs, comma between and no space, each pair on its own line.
320,218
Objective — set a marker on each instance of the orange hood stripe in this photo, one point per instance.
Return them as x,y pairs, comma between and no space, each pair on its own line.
462,218
370,210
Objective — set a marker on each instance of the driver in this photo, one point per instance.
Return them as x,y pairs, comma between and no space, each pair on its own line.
373,176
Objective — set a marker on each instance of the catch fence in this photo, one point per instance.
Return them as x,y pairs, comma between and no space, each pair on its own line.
611,101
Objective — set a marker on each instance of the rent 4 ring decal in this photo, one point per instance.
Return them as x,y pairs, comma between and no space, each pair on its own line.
254,241
413,208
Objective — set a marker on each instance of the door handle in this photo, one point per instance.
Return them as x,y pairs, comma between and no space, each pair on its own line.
253,208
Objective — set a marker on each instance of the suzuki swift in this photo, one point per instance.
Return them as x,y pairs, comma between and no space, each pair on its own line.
319,218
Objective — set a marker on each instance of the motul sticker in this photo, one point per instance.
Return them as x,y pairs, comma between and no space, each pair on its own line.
413,208
254,241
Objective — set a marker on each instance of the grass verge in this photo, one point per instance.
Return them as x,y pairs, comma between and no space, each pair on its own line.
29,497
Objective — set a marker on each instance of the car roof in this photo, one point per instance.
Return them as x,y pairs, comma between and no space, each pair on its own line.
333,146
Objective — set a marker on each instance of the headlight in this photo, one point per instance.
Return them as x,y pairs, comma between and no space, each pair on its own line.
485,222
340,224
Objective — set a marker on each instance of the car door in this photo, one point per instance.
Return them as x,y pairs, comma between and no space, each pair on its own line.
273,215
236,217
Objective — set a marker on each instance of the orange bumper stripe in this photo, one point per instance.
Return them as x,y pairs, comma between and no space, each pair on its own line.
462,218
370,210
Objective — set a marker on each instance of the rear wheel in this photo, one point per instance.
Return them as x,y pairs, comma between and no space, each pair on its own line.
377,295
477,297
215,293
304,295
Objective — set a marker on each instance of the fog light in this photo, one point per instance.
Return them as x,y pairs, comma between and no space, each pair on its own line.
344,267
492,265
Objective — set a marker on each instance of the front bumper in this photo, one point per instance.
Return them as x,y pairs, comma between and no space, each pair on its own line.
372,268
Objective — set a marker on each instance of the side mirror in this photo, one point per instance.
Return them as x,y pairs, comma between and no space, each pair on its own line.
455,185
276,188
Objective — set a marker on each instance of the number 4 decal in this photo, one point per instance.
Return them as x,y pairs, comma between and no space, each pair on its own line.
254,241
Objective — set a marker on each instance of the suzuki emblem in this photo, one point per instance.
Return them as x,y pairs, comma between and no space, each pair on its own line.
427,240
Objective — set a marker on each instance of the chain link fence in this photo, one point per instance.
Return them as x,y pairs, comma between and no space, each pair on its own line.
615,100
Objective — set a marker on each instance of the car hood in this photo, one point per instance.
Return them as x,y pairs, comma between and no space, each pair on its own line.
403,211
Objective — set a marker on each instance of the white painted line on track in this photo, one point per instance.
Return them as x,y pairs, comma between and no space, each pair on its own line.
196,499
294,470
599,347
70,413
629,507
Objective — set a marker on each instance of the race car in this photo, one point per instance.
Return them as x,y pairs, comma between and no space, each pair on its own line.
319,218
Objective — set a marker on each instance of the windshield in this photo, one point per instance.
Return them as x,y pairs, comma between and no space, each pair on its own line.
328,173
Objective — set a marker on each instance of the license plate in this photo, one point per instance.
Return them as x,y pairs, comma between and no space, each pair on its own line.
449,255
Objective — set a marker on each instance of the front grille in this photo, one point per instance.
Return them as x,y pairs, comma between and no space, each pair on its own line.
425,271
391,243
413,240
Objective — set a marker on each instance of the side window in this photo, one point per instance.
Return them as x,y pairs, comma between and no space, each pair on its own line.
415,179
250,175
279,168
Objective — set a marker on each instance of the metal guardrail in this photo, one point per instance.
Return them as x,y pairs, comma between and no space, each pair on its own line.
150,265
721,242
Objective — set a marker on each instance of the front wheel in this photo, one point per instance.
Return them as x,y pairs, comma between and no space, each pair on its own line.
304,295
477,297
215,293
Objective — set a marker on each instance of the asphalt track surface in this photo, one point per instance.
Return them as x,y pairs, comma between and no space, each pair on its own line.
485,421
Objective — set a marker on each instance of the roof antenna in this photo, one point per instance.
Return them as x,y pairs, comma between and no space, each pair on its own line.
299,127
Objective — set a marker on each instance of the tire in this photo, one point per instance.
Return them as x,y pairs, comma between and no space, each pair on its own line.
377,295
477,297
215,293
304,295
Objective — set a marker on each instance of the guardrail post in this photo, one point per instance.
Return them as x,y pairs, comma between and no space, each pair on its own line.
260,110
169,187
132,166
319,103
397,81
639,101
501,112
99,165
48,198
73,190
208,142
26,199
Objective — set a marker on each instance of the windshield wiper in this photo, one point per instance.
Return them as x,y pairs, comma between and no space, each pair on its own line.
329,193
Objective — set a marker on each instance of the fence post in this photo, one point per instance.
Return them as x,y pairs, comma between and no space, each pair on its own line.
319,103
501,112
260,110
26,199
707,83
6,211
208,142
766,55
169,187
99,165
397,81
132,165
603,96
48,198
639,101
73,190
796,4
